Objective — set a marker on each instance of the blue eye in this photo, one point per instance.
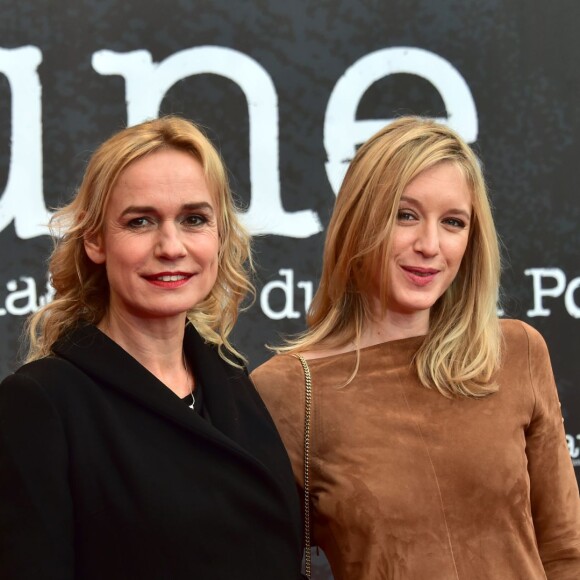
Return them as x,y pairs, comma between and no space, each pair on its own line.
455,222
139,222
405,216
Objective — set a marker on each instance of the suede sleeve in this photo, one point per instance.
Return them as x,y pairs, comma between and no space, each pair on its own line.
36,519
280,383
553,489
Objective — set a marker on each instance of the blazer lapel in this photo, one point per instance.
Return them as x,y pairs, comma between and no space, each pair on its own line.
234,406
219,395
240,423
111,366
237,410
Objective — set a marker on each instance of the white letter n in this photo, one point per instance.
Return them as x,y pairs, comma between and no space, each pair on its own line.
146,85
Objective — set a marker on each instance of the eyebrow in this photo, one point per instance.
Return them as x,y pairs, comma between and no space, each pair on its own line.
200,206
454,211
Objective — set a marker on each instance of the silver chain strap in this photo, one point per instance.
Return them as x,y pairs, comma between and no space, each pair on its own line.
307,413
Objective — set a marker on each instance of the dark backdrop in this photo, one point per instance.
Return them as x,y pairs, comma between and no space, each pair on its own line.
286,88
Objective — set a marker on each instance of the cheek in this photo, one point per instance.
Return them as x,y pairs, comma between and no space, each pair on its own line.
457,251
207,249
464,248
213,247
401,241
128,251
216,240
125,258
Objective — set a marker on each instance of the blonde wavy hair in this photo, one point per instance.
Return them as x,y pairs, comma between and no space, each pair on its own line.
462,349
82,288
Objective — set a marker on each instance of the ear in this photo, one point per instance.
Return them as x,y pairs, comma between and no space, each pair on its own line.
95,248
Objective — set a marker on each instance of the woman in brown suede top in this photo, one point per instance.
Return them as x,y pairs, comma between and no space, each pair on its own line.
437,446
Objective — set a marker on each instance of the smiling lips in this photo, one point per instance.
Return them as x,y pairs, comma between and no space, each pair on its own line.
420,276
168,279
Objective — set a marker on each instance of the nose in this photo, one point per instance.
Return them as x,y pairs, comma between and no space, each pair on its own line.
169,245
427,241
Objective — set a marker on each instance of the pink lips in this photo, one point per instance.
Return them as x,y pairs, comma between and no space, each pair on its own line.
168,279
420,276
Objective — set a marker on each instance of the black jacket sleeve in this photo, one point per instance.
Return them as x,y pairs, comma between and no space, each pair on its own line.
36,518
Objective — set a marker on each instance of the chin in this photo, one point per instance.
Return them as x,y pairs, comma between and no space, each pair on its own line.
413,306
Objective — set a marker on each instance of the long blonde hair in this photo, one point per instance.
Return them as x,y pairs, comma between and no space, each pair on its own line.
82,289
461,351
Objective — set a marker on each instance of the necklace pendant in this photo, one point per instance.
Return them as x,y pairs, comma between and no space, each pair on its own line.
192,402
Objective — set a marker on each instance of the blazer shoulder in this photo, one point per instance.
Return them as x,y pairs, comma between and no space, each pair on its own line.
41,383
50,375
44,369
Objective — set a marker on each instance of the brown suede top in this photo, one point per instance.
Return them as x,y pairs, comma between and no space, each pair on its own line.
410,485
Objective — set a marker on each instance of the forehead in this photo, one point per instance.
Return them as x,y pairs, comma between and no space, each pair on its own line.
163,174
441,183
159,166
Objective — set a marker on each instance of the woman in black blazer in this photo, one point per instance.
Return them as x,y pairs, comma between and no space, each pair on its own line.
132,444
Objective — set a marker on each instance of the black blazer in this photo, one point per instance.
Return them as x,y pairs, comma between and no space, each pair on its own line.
106,474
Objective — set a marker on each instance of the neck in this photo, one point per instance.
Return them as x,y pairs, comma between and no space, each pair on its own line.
391,326
157,345
394,326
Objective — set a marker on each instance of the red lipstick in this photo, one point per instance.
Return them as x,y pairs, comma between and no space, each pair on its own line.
168,279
